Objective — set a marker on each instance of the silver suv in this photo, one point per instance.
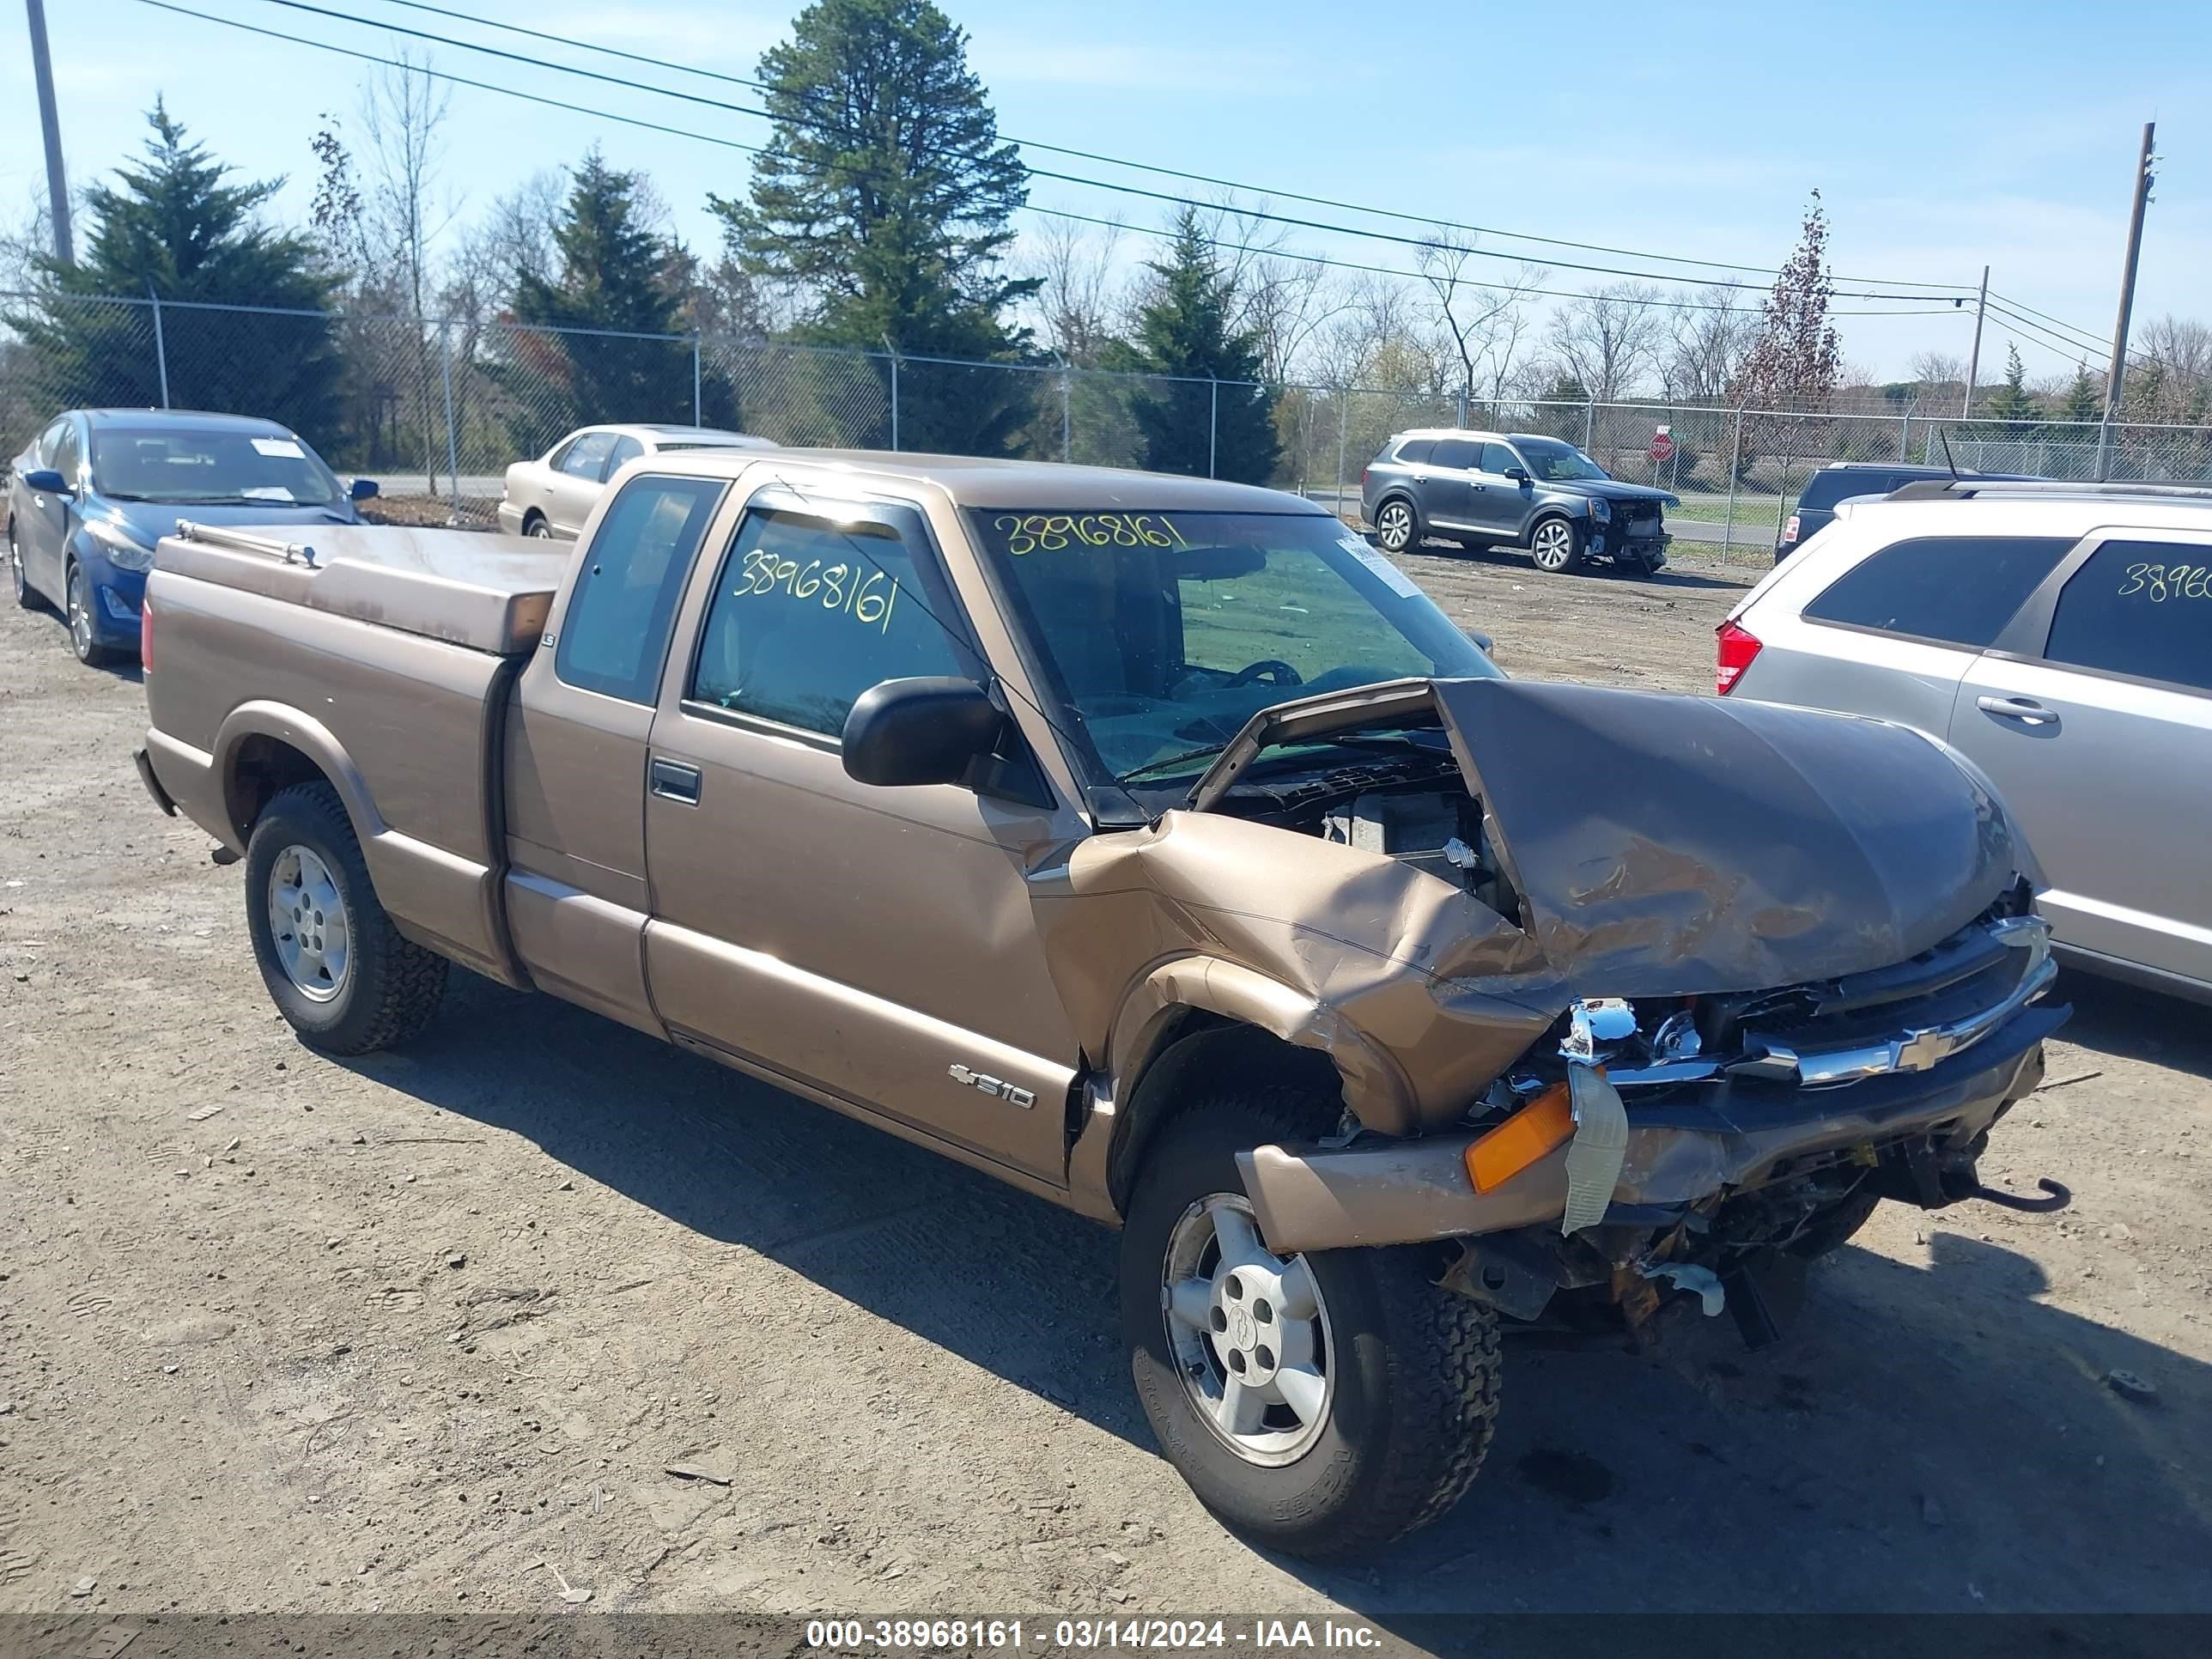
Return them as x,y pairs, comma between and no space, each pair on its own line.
2058,636
1485,488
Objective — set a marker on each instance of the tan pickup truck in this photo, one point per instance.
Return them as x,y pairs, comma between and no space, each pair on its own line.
1155,845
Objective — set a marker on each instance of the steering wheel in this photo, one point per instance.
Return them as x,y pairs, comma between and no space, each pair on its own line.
1273,671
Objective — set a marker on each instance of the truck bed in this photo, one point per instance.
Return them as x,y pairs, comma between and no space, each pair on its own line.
486,592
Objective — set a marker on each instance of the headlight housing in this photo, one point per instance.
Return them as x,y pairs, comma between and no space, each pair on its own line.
1601,509
123,551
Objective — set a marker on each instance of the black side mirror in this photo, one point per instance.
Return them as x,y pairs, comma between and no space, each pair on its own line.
1518,474
46,481
362,488
919,731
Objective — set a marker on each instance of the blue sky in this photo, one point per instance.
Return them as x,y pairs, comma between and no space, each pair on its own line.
1940,136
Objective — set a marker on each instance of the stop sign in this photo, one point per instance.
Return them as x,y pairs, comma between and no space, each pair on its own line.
1662,445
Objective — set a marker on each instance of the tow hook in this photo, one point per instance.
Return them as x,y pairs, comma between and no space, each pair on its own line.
2056,1197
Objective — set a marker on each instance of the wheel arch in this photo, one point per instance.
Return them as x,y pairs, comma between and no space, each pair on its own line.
1192,1014
264,748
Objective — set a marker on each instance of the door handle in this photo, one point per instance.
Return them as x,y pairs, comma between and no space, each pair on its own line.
2025,710
676,781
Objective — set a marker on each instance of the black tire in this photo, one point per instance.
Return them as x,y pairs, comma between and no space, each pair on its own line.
1831,1229
1399,526
536,527
1414,1369
76,612
27,596
1556,544
391,988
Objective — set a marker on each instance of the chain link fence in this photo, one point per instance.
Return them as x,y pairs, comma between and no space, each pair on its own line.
435,409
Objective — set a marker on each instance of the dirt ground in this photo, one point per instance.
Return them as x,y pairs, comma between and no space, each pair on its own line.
278,1332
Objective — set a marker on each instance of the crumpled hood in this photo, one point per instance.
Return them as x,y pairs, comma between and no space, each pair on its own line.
1668,845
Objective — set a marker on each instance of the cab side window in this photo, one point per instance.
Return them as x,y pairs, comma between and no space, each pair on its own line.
1496,458
1456,454
614,636
808,614
1959,590
2138,608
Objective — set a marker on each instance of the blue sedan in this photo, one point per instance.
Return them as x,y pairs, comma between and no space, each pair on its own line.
94,491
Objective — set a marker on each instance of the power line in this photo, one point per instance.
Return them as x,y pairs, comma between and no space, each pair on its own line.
841,130
1165,172
755,149
2090,342
2045,337
1944,310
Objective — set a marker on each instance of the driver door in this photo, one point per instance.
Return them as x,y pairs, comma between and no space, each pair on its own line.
874,946
1447,489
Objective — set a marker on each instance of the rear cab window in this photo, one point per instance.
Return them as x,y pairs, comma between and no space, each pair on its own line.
2141,609
614,634
1414,451
1826,488
1457,454
1954,590
587,458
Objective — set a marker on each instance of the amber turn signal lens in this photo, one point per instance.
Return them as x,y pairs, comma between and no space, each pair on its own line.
1544,1123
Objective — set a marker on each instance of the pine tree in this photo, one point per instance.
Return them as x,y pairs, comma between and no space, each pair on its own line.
1213,418
886,198
2011,402
2084,400
615,283
173,228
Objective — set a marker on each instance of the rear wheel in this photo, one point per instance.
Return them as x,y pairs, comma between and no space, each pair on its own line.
1397,525
335,965
84,644
1322,1403
1556,545
537,528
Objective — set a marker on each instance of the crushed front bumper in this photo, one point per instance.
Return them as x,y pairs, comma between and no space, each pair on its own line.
1734,1132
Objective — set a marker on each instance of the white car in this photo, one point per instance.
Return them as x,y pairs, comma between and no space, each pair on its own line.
552,495
2060,637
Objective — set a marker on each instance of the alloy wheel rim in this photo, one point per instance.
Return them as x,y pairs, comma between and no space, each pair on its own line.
80,614
309,924
1552,546
1397,527
1248,1333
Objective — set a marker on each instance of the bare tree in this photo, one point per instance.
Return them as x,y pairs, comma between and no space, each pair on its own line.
1711,334
1482,324
1080,298
1609,339
402,113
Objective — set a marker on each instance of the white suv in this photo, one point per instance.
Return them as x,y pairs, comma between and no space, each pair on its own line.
2060,636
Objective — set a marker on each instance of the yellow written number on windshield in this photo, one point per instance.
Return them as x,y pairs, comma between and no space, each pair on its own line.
1049,532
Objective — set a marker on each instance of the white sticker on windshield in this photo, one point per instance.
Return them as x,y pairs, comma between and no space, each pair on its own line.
1393,578
267,493
281,449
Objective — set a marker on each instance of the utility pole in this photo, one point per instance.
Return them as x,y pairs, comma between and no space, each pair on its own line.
50,122
2116,376
1974,363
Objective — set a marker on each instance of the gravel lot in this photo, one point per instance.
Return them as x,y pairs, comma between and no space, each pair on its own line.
278,1332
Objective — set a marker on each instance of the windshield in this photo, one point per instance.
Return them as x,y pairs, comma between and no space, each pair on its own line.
1551,461
227,467
1167,631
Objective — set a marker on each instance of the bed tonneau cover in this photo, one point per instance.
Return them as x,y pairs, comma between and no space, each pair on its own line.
487,592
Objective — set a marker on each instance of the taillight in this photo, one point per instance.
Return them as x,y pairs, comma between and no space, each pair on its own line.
1737,647
145,636
1363,477
1790,531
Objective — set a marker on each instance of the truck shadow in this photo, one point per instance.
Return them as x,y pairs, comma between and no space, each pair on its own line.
1507,558
1932,1436
2127,1023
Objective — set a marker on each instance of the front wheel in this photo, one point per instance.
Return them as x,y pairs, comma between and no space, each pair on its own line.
84,643
1556,545
335,965
1322,1403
